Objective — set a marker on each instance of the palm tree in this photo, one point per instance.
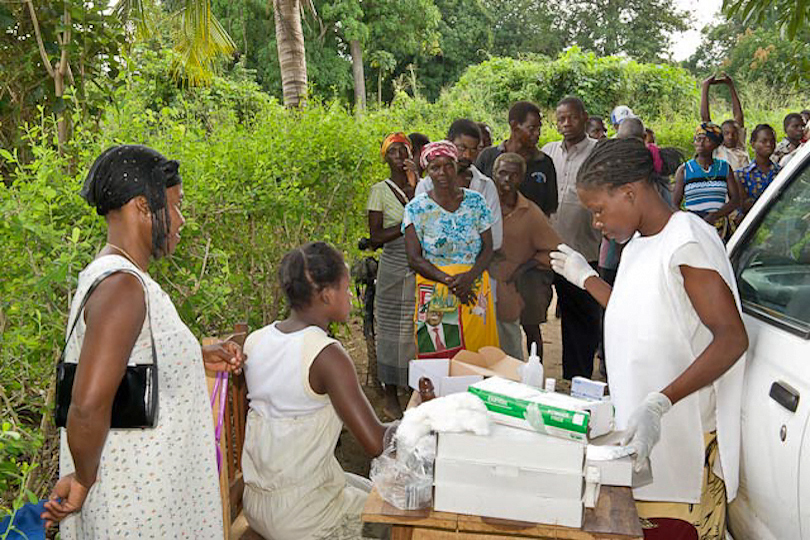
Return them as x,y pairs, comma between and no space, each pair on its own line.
199,38
791,14
291,51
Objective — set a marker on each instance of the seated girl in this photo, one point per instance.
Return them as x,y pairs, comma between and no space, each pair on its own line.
302,388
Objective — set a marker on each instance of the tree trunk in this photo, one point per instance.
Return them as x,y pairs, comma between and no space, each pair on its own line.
379,87
291,52
359,76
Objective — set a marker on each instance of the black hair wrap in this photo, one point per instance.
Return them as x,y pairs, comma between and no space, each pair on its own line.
124,172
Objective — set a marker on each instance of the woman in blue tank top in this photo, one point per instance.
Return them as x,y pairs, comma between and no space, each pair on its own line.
707,186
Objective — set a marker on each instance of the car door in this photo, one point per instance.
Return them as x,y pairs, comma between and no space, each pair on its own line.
771,258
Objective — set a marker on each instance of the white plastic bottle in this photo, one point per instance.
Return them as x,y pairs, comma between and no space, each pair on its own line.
532,373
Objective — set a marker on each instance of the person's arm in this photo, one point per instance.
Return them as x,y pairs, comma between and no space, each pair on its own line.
461,284
381,235
599,289
494,205
714,303
677,193
553,195
705,116
417,261
734,199
333,373
114,316
736,106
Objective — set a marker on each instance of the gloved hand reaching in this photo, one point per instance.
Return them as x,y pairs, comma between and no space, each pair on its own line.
644,427
571,265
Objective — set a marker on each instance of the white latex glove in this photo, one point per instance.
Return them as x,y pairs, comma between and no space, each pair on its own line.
644,427
535,418
571,265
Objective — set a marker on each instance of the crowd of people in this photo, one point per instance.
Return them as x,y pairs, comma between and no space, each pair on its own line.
476,239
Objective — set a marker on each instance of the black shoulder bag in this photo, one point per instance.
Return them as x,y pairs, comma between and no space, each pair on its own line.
136,402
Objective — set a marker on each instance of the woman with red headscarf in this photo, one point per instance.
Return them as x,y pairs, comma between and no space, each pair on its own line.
393,309
449,244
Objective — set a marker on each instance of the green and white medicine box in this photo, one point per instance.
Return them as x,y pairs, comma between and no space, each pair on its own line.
563,416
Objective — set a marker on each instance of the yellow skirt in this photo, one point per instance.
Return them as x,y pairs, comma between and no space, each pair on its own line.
444,325
708,516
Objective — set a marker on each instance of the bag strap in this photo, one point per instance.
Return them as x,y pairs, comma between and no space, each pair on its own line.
96,283
398,193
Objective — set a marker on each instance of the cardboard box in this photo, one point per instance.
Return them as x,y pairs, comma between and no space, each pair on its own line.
564,416
509,446
487,362
586,388
440,372
498,502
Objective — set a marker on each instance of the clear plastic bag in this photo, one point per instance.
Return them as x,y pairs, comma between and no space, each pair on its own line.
406,481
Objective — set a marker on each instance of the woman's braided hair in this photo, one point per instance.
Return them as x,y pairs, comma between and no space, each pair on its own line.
615,162
308,269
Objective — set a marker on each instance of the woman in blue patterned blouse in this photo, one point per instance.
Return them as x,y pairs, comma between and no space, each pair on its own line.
449,245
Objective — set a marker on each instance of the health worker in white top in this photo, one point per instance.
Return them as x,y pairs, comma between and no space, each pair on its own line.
673,334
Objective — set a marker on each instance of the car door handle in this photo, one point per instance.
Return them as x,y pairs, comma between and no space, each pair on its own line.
785,396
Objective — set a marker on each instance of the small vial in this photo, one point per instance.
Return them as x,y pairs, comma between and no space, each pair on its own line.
551,384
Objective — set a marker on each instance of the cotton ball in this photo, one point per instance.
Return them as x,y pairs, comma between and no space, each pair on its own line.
454,413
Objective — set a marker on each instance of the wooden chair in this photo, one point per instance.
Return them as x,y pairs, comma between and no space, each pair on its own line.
231,443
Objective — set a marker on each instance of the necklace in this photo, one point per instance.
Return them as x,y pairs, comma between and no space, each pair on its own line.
705,169
126,255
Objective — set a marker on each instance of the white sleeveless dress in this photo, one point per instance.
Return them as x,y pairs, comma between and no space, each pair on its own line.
161,482
295,489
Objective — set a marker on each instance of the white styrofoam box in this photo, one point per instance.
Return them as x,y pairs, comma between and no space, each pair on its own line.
613,472
586,388
497,502
438,371
510,446
536,482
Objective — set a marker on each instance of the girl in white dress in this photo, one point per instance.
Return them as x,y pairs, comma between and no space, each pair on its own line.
302,388
159,482
673,335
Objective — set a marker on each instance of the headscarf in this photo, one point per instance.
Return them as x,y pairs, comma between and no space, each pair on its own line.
438,149
397,137
711,131
124,172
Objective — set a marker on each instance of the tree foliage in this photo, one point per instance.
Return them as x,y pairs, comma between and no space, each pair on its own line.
640,29
755,50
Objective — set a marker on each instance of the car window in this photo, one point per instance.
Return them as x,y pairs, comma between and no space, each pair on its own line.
773,264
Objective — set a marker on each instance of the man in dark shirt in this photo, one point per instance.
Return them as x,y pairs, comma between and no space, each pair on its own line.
540,183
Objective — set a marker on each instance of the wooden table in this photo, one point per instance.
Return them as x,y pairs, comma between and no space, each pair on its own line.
614,518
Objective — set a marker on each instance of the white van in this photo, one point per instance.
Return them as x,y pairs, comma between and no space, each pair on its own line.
770,253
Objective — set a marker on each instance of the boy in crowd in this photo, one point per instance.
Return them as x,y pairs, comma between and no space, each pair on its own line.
581,315
649,136
539,185
793,125
486,136
528,239
631,128
596,128
733,148
619,114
